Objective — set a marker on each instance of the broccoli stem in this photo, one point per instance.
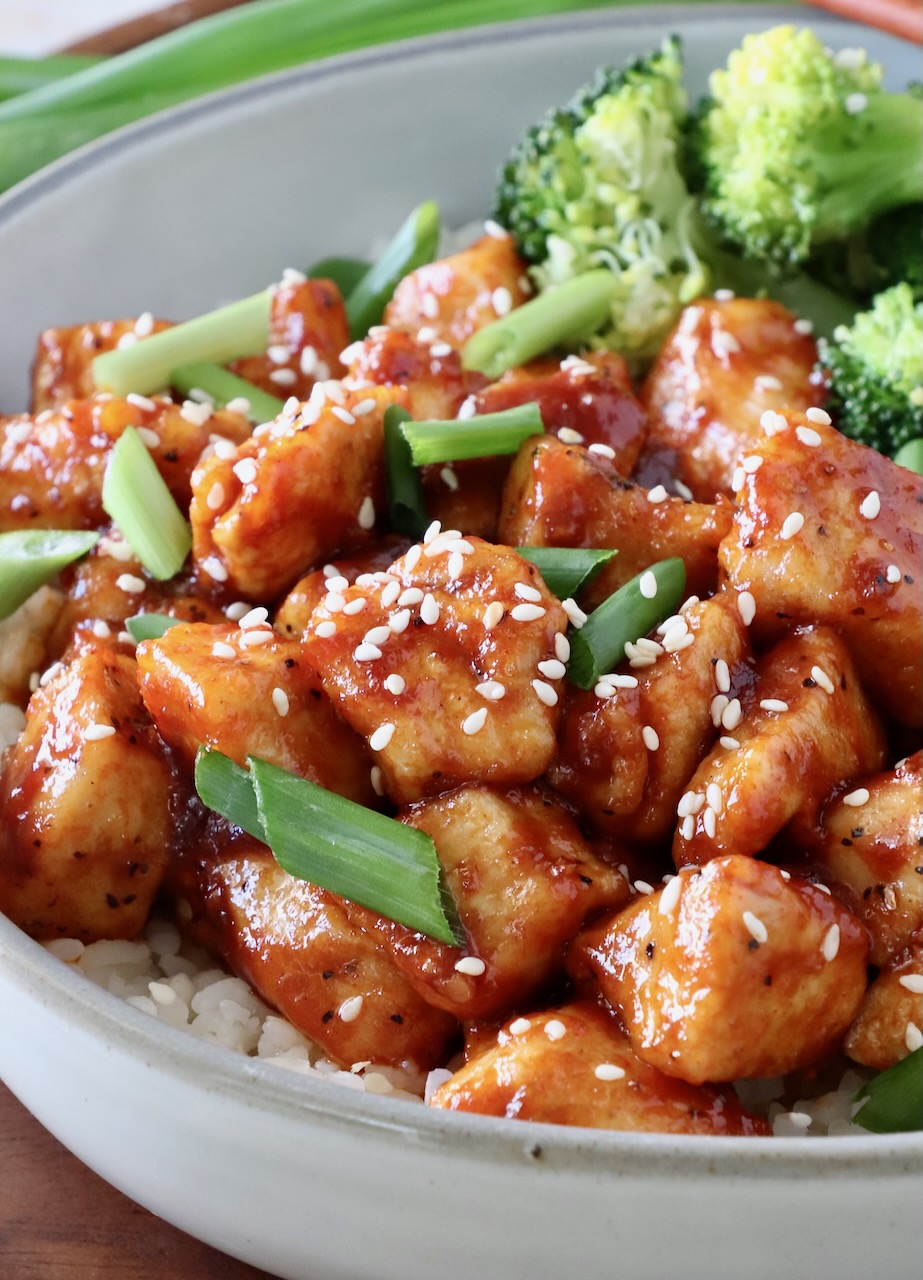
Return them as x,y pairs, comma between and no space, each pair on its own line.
241,329
570,313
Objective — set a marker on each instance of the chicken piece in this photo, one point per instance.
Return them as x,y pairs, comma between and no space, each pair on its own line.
722,367
801,728
585,400
85,821
454,297
731,971
294,613
429,369
560,495
247,692
605,765
575,1066
444,667
889,1024
109,585
321,961
831,532
871,854
62,369
298,490
523,880
24,637
52,466
307,331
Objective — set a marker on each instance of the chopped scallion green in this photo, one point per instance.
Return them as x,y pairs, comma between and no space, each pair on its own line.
240,329
628,614
335,843
894,1098
344,272
405,489
568,314
136,496
221,386
149,626
29,557
413,245
910,455
566,570
483,437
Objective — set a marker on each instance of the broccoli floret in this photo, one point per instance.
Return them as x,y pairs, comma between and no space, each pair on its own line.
598,183
799,145
889,252
874,372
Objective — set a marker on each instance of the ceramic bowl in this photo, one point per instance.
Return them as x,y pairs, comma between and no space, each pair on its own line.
309,1181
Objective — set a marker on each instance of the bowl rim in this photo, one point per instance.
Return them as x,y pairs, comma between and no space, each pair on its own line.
292,1097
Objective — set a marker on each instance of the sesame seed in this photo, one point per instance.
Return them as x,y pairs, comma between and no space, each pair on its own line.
222,650
913,1037
215,496
440,349
642,886
803,327
468,408
239,609
366,516
688,604
343,415
724,344
475,722
377,635
602,451
687,830
381,737
755,927
492,690
334,602
429,609
96,732
746,607
519,1026
144,325
912,982
676,640
215,569
364,407
718,704
283,377
527,612
501,300
856,799
686,804
251,638
603,689
367,653
413,595
767,382
808,436
433,531
245,470
150,439
352,607
278,354
732,714
714,797
496,232
574,613
561,647
257,617
823,679
709,822
647,585
553,669
729,743
752,463
650,737
280,701
350,1009
870,505
738,479
429,305
555,1029
472,966
893,573
567,435
657,494
773,704
449,478
336,582
831,943
545,693
376,780
792,525
722,676
525,592
130,583
395,683
819,415
608,1071
669,897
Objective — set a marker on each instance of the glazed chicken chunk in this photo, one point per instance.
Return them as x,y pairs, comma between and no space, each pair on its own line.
447,665
736,970
63,366
889,1024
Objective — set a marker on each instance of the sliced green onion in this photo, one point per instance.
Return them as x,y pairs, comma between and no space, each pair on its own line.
221,386
150,626
136,497
599,645
29,557
413,245
344,272
406,502
568,314
566,570
227,788
21,75
894,1098
910,455
483,437
241,329
322,837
